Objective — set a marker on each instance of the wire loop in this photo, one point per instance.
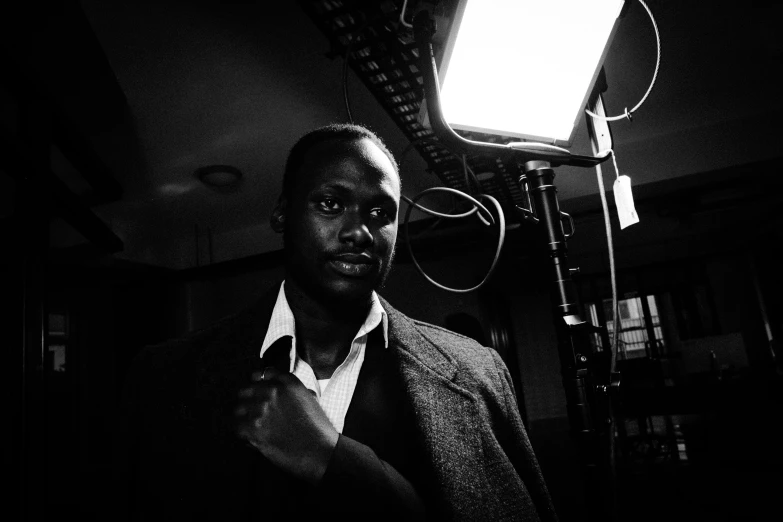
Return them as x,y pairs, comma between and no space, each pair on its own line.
476,207
628,113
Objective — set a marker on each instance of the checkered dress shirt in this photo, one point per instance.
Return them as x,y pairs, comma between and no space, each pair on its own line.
334,394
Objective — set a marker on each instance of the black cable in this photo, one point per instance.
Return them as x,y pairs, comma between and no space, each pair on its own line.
345,80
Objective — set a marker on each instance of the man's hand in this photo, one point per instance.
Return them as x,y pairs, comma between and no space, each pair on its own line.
283,420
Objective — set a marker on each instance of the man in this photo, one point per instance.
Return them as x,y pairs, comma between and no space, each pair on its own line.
322,400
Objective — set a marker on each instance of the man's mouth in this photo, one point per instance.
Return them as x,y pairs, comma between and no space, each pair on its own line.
353,265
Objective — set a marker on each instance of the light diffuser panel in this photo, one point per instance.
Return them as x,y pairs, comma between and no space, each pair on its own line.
524,68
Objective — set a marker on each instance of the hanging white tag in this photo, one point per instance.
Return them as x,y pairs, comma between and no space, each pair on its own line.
623,198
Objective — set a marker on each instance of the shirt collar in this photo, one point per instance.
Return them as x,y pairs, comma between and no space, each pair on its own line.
282,324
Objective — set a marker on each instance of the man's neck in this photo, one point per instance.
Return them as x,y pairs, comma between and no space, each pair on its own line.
324,331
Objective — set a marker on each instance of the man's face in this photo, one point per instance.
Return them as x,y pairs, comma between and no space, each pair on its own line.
341,221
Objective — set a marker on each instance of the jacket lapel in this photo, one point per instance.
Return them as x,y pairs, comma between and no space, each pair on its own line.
446,413
227,362
239,347
225,367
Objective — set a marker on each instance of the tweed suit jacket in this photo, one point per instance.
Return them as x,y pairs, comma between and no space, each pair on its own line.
467,419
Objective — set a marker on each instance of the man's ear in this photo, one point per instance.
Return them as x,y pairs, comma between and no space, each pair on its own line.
277,219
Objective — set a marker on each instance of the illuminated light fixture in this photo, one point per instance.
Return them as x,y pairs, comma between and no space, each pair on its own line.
524,68
219,176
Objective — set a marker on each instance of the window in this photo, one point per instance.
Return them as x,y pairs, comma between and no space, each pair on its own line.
641,334
57,341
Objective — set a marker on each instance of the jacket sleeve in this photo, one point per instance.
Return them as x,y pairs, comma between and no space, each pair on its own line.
359,481
517,446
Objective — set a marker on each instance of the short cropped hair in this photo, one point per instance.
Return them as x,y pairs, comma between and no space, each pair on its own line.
335,131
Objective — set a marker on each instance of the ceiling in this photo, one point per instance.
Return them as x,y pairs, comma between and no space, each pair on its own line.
207,83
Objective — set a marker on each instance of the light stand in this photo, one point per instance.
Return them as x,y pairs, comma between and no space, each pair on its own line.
586,394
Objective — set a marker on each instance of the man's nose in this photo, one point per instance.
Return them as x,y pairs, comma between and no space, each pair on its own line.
356,231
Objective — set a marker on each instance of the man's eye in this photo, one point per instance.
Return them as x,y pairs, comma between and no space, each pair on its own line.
330,205
380,213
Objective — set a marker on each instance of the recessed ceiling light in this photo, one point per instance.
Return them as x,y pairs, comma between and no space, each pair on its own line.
219,176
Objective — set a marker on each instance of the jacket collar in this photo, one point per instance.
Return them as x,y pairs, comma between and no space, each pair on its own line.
245,334
405,336
249,327
237,340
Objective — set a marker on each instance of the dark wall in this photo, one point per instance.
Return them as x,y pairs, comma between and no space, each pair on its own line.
111,311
